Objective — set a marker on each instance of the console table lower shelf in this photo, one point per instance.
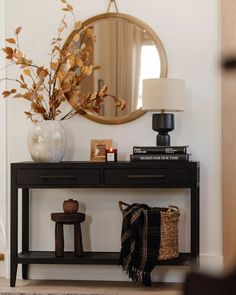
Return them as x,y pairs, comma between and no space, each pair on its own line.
92,258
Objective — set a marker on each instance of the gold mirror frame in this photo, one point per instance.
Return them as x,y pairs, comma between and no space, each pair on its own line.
155,39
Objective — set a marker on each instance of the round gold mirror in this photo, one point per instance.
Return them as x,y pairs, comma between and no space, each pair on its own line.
128,51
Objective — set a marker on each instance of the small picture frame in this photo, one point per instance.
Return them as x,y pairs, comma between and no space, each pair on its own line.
98,149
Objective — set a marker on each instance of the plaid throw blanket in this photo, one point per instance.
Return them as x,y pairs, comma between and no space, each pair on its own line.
140,242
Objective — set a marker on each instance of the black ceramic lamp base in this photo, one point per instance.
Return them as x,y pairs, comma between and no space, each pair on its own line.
163,123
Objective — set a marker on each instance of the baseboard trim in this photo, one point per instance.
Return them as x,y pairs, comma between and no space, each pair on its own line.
211,262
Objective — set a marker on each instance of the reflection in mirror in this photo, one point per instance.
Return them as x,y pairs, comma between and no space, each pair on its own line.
128,51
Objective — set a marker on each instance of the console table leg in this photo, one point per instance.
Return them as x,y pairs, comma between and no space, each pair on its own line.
25,229
78,240
25,271
14,228
59,239
13,274
195,222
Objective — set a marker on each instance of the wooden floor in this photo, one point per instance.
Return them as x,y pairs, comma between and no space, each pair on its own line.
86,288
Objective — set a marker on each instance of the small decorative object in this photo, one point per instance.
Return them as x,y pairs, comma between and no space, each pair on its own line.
111,155
47,141
98,149
164,95
60,219
70,206
48,88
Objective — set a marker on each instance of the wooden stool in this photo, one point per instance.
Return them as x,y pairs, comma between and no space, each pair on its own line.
61,219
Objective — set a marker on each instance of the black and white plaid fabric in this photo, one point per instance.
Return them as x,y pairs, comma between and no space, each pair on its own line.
140,242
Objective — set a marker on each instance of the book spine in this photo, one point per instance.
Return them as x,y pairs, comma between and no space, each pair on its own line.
160,157
160,150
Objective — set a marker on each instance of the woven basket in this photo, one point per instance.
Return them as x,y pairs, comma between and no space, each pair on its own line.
169,238
169,242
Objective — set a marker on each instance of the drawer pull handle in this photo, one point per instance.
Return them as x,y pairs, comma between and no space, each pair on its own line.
48,177
146,176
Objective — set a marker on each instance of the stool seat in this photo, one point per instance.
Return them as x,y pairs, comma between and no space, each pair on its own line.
65,218
68,218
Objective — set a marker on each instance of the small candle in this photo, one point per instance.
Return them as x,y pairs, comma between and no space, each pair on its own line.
111,155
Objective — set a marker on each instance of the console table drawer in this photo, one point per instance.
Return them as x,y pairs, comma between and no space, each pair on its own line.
149,177
59,176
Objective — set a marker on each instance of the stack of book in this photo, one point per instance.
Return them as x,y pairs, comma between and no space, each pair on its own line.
159,153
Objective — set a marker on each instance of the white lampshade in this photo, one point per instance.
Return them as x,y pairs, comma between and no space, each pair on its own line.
163,95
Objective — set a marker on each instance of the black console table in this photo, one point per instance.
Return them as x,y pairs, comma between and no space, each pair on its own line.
28,175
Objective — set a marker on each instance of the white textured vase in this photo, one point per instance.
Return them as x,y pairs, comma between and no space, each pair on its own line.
47,141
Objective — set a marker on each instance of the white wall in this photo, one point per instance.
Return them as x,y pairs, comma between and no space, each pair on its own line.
3,133
190,33
3,184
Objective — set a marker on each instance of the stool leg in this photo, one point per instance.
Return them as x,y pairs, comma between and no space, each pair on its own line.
78,240
59,240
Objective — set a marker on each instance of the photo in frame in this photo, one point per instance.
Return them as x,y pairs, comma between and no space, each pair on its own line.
98,149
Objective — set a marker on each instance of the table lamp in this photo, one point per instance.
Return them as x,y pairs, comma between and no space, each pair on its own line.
166,96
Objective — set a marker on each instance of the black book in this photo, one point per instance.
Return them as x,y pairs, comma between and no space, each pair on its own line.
159,157
160,149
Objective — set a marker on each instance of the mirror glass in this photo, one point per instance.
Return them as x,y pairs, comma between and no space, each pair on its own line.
128,51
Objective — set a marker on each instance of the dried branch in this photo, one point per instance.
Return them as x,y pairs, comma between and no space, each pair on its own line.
60,82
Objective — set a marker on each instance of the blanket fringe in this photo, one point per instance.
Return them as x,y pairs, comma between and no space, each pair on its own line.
137,275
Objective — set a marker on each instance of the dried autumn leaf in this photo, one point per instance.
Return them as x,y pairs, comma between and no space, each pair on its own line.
13,91
94,95
28,95
63,1
50,82
90,70
72,60
73,101
35,107
82,46
54,65
78,25
18,95
79,62
64,22
18,54
121,104
70,7
61,75
30,115
24,85
17,31
27,72
8,50
76,37
85,70
6,93
61,29
96,67
66,87
103,89
10,40
22,78
96,110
